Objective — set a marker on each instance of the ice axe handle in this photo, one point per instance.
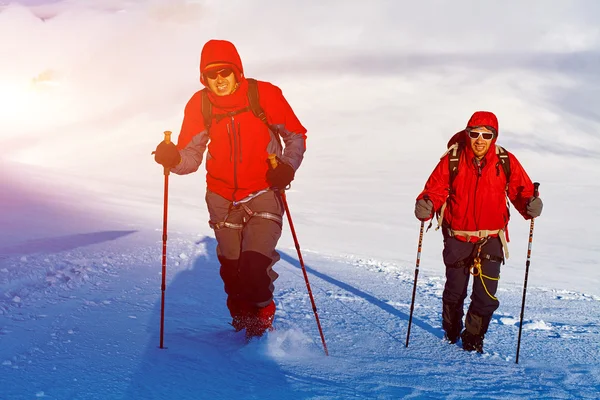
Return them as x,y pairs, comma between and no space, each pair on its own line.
273,160
536,188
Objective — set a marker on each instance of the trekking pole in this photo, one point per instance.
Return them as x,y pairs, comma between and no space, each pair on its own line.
273,161
414,292
536,186
163,286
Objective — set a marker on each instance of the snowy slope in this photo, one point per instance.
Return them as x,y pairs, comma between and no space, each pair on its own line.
83,324
80,320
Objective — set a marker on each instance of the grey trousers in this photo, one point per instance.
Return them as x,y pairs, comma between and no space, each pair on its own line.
251,248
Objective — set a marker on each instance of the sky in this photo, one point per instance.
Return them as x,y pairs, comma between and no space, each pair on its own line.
91,87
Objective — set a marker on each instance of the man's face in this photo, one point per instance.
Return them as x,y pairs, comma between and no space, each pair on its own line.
481,138
221,81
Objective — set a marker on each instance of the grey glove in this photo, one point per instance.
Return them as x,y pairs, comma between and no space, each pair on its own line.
534,207
423,209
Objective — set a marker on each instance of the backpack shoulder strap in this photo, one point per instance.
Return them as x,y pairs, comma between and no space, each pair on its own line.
253,99
206,109
257,110
453,154
453,159
504,161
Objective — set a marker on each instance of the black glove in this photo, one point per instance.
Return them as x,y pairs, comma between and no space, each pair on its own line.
534,207
423,209
281,176
167,155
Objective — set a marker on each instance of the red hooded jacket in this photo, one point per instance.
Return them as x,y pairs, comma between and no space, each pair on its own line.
238,145
477,199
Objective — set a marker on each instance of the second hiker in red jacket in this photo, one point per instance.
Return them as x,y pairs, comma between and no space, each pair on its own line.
469,189
240,121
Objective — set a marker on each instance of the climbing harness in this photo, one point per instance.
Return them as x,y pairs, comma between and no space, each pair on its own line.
476,270
250,213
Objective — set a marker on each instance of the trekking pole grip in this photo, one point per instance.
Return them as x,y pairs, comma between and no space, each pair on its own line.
167,141
167,137
536,187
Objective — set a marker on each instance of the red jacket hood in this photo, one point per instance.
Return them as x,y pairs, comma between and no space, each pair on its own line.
479,118
220,52
483,118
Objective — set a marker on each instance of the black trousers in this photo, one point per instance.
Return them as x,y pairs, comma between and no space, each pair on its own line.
458,257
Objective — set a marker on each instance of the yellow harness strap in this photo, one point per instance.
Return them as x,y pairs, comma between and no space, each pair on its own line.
475,270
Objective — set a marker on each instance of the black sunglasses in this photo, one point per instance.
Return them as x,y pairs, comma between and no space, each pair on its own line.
223,73
485,135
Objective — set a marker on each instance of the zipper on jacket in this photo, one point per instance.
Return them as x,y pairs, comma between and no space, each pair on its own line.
479,166
230,145
239,132
233,133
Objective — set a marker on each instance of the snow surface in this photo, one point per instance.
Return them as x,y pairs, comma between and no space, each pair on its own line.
91,86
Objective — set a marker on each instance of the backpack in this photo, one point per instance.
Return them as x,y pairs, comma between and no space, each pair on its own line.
254,106
454,157
455,148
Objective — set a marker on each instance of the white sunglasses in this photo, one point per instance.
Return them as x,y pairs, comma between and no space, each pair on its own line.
485,135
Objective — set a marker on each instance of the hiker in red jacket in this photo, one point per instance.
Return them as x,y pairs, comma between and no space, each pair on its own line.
468,188
240,121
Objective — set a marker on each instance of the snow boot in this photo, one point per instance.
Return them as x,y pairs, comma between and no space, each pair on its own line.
476,327
260,321
241,312
471,342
